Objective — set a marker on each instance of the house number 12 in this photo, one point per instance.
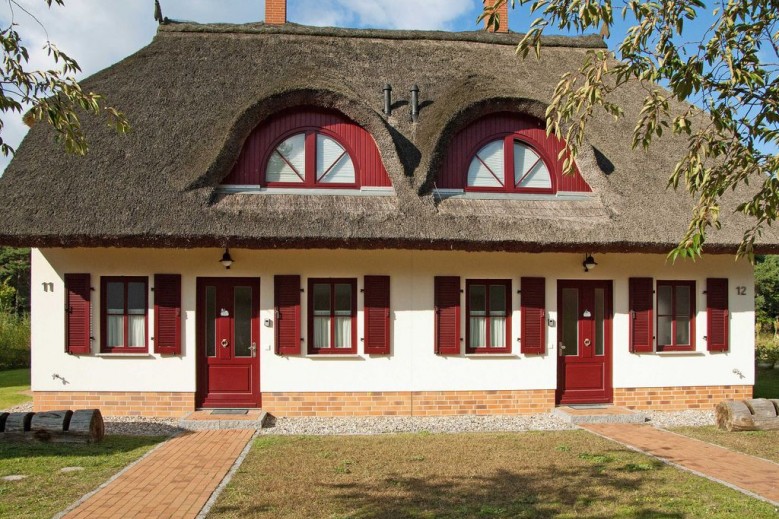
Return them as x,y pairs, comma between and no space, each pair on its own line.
742,291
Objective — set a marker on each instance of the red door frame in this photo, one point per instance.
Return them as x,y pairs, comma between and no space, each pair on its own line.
586,354
225,287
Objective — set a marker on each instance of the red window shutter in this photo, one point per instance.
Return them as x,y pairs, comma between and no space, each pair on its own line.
287,306
447,315
78,314
167,314
717,314
641,315
533,316
377,315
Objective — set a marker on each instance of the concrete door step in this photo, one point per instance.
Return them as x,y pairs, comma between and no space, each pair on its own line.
598,414
207,419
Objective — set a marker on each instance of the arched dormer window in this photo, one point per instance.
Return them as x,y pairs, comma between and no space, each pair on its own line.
506,153
309,149
311,158
511,165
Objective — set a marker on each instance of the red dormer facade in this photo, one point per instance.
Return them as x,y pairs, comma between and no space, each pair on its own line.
309,148
507,153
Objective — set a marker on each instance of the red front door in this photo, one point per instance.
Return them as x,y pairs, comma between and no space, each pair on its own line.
228,332
584,310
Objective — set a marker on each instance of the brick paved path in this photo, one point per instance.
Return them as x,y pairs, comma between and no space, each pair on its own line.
175,480
745,472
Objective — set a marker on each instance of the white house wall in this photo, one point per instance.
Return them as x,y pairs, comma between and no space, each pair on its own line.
413,365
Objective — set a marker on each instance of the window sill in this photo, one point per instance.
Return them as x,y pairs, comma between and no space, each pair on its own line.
490,355
679,353
125,354
354,356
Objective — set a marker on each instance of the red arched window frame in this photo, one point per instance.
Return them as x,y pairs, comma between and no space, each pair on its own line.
310,175
509,183
250,167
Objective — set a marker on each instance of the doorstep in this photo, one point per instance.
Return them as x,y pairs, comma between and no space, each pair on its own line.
606,413
208,419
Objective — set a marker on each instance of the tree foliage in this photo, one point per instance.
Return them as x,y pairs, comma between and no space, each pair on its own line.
53,95
14,279
767,290
729,75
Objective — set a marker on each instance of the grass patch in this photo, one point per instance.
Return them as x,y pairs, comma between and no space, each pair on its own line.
763,444
46,490
766,383
14,340
469,475
12,383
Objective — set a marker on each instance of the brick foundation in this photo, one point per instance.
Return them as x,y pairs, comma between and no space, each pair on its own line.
408,403
118,403
678,398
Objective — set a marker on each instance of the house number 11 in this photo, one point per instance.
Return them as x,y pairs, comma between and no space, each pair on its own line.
742,291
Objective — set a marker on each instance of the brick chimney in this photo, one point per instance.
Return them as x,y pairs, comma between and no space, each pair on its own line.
503,12
275,12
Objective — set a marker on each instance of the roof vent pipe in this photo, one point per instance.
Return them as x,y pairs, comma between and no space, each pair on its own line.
388,99
415,103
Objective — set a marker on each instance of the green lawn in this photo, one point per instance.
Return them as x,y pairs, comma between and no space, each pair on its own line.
12,383
767,383
764,444
46,490
534,474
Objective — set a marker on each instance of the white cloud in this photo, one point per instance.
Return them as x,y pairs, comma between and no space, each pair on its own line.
385,14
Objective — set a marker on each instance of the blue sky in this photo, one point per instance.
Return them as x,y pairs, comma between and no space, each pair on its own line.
101,32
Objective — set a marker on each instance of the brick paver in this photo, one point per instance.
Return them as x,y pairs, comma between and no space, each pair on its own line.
174,481
749,473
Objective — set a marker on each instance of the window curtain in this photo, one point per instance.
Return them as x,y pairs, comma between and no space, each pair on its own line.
321,332
497,332
115,331
478,331
136,329
343,332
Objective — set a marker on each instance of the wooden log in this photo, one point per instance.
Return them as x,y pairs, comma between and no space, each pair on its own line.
43,436
731,414
737,416
44,426
761,408
18,422
3,417
88,423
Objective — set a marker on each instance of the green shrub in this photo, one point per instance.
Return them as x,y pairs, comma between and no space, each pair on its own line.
14,340
767,348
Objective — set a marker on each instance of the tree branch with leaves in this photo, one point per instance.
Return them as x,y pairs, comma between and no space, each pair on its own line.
53,95
729,76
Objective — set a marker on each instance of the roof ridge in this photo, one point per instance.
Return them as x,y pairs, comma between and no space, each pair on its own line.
585,41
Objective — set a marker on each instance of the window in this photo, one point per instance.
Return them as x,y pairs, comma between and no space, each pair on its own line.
675,315
332,324
511,165
124,310
311,158
489,316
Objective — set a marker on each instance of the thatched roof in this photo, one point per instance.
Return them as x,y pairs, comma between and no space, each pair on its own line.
197,91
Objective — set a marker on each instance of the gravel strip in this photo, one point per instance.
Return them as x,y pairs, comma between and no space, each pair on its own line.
689,418
141,426
410,424
21,408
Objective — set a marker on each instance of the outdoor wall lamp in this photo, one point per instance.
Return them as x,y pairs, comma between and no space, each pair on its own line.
589,263
226,259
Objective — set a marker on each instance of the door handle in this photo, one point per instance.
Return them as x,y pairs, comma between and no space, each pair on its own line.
560,349
225,343
253,349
